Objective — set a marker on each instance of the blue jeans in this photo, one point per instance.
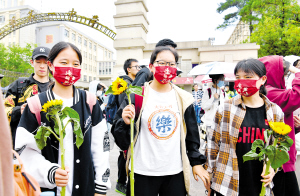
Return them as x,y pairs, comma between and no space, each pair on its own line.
197,112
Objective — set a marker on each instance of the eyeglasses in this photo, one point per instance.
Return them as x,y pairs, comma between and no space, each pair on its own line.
164,63
137,67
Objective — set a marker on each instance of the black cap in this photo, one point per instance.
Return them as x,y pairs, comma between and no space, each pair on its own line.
40,51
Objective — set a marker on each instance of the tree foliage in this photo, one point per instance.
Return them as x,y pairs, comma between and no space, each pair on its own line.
17,59
274,24
278,27
232,17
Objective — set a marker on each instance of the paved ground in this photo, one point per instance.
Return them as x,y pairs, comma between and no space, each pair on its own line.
197,188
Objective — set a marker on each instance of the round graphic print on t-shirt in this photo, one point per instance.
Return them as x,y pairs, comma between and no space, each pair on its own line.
162,124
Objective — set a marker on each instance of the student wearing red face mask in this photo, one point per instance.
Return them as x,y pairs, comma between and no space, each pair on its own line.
167,138
87,168
238,123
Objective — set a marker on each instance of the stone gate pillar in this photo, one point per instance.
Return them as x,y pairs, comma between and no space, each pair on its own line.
132,28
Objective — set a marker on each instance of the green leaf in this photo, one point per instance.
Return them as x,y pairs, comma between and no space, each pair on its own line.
262,155
287,142
74,118
270,152
257,144
250,156
135,90
109,91
280,158
41,136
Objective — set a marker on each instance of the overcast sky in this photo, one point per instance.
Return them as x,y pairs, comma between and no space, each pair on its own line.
185,20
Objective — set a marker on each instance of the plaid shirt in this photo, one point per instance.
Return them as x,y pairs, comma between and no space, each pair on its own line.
221,143
197,95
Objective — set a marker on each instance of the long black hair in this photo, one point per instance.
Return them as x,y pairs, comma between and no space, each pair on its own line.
252,66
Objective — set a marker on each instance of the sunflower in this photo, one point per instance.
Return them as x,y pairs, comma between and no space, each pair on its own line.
119,86
53,106
280,128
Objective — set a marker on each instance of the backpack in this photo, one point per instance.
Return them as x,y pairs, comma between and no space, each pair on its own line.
209,92
35,106
138,103
111,108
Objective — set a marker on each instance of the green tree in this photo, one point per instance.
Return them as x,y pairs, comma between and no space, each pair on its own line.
17,59
233,17
278,27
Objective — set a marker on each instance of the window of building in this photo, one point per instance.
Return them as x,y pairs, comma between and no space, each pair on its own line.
73,37
108,55
105,53
90,78
84,78
94,78
15,3
90,45
79,40
85,66
2,19
85,43
109,70
66,33
95,48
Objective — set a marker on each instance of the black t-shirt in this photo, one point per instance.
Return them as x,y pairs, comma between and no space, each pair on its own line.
42,86
252,128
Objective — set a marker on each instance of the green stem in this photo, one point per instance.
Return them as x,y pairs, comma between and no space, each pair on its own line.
263,188
62,150
53,133
132,152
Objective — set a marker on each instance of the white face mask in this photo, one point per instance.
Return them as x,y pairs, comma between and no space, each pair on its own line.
99,93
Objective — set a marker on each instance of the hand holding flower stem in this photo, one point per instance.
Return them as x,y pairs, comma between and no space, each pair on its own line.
274,155
119,86
53,110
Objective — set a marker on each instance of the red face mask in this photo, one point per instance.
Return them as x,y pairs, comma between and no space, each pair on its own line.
246,87
164,74
67,75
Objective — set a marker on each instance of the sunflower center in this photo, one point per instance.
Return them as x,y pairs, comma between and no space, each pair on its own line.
120,85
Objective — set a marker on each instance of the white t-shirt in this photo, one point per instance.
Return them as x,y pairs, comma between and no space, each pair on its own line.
157,151
68,146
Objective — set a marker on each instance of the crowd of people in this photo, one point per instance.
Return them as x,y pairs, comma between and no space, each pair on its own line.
167,123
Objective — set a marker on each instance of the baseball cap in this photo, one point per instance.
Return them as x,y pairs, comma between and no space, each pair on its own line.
40,51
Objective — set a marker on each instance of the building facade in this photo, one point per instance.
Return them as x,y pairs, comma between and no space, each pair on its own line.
97,60
241,34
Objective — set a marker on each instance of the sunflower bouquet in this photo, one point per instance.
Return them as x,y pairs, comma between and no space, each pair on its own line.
275,154
53,110
120,86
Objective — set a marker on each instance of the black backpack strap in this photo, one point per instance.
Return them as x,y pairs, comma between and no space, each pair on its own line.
223,92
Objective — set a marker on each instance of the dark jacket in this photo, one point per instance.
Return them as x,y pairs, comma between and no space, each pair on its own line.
141,77
17,94
90,176
123,95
